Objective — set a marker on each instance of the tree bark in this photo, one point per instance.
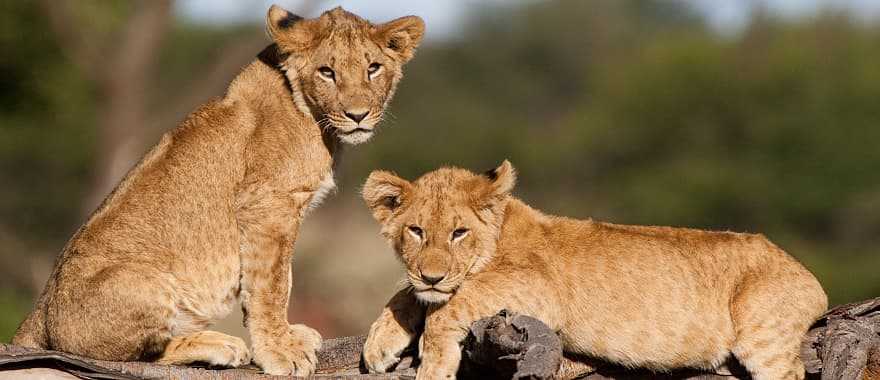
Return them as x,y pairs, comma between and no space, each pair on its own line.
338,358
843,344
509,346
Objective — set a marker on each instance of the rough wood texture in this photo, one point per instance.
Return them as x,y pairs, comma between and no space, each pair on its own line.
509,346
512,346
843,344
338,359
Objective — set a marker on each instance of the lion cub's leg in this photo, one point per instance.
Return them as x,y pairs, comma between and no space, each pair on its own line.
119,314
440,344
576,367
447,325
210,347
771,316
269,220
393,332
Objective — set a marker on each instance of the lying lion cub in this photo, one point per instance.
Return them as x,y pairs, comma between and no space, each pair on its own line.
211,213
651,297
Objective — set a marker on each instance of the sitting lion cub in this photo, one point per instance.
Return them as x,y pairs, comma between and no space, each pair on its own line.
211,213
651,297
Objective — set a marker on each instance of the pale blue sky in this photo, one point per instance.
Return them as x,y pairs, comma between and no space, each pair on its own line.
442,16
731,15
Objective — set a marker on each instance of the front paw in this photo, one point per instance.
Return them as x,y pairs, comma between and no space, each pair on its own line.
311,337
429,372
292,353
438,361
384,345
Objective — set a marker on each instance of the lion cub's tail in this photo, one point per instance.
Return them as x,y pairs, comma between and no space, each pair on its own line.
32,332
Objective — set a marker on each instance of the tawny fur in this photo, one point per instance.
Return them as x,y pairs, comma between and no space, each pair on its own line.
651,297
211,213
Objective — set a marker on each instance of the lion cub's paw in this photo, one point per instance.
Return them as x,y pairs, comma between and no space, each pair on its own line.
384,345
214,348
378,357
429,373
294,353
236,354
310,337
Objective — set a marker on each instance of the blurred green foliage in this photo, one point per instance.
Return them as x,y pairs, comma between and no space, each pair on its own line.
636,112
628,111
12,311
46,132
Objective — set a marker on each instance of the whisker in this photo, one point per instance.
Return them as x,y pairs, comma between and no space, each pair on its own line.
387,117
405,284
390,114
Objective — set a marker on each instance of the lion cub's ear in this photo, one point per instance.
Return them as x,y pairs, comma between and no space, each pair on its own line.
289,31
501,182
384,193
402,36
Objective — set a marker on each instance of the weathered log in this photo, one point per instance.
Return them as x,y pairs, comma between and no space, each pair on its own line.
338,359
511,346
843,344
507,346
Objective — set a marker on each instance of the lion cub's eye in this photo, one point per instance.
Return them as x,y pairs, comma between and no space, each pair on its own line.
373,69
459,233
327,72
415,230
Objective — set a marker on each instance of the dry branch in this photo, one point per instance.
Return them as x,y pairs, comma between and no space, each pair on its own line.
512,346
843,344
338,358
509,346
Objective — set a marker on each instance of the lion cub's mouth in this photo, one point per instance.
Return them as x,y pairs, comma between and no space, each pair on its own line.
355,136
433,295
356,130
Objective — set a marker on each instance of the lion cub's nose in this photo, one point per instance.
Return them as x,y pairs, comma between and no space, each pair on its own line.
433,278
356,115
434,267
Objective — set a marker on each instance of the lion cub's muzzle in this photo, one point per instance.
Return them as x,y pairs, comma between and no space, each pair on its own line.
356,126
433,282
432,293
354,135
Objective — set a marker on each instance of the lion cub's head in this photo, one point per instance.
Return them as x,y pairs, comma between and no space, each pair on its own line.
343,69
444,225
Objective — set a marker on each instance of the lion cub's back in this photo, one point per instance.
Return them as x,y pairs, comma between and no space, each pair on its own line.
659,296
656,260
172,210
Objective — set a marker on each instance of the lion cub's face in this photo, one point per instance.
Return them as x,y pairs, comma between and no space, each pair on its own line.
443,226
344,70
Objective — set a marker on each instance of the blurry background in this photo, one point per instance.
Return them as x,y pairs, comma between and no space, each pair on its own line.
759,116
